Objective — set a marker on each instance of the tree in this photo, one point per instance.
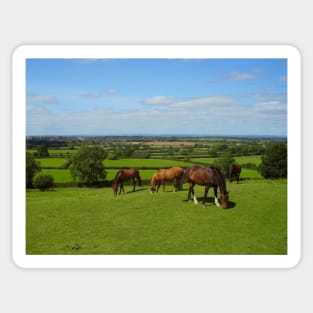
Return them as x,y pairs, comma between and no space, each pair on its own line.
274,161
224,162
43,182
42,151
87,164
32,167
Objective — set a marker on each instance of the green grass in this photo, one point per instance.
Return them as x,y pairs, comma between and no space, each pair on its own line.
133,162
51,162
93,221
59,175
256,159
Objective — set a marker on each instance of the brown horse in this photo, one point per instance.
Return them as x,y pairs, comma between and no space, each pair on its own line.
234,172
125,175
163,175
209,177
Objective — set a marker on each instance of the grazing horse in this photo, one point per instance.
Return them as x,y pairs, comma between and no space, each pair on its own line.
125,175
209,177
234,172
163,175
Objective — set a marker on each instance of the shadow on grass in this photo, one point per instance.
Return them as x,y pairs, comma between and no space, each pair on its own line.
210,201
137,190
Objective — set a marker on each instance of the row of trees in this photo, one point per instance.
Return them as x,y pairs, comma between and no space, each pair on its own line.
87,165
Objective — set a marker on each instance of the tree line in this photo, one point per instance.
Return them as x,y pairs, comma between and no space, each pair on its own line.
86,166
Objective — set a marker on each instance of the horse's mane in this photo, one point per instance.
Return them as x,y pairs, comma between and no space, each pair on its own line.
221,181
154,178
118,174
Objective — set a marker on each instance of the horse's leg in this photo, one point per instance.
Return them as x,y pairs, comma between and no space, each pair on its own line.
194,197
158,185
176,185
121,187
191,190
134,184
206,190
163,184
215,197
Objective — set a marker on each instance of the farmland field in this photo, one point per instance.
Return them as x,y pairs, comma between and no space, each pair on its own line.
93,221
148,163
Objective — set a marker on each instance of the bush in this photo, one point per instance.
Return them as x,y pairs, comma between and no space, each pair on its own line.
274,162
43,182
32,167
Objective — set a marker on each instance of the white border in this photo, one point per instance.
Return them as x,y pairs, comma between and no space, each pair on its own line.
156,51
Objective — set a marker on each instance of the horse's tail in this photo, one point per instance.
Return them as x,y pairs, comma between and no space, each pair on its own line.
139,179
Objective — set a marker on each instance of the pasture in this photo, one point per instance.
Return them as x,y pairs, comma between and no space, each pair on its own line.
52,166
93,221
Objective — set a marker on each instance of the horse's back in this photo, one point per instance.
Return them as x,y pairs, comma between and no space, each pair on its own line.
173,172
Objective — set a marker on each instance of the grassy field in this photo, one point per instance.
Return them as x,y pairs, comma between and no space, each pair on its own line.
64,175
137,163
51,162
51,166
93,221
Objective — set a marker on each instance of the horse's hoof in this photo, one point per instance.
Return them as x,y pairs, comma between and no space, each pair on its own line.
203,205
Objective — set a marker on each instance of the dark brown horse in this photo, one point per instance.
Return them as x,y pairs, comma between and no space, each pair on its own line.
234,172
125,175
163,175
208,177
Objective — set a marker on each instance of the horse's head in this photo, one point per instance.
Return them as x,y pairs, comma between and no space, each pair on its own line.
115,188
153,182
224,199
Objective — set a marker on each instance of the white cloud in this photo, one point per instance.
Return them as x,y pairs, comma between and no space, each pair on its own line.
202,103
97,95
237,76
159,100
42,99
203,115
268,97
270,108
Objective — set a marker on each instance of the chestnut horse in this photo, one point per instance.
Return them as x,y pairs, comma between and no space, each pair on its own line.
234,172
125,175
209,177
163,175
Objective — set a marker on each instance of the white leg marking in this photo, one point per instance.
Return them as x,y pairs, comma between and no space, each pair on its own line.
195,200
216,202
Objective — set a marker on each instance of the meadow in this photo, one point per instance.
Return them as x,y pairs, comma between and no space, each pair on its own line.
93,221
52,166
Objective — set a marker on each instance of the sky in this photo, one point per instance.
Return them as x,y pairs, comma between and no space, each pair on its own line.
225,97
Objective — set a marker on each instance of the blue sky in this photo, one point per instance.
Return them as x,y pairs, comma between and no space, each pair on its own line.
156,97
